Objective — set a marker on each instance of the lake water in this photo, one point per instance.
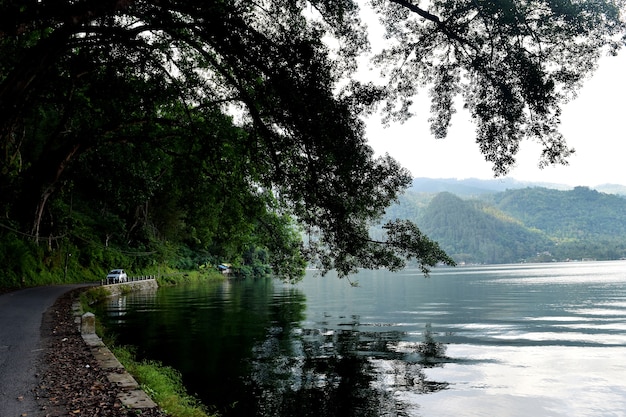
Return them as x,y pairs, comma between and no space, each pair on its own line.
514,340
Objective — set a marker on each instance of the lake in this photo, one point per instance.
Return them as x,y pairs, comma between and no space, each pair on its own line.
508,340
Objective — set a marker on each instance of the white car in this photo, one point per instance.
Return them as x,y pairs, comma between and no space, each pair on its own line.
116,276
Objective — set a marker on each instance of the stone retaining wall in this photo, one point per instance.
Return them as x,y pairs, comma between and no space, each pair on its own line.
117,289
131,395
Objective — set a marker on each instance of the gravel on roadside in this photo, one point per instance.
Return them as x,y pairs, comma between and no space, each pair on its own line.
71,383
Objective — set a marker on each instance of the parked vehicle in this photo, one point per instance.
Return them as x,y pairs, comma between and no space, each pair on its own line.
116,276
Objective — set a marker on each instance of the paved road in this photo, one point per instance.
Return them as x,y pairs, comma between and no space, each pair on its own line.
20,345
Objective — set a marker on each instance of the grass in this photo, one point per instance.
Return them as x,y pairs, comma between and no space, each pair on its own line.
92,296
163,384
189,277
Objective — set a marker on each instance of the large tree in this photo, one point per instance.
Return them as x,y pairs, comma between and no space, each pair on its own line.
513,62
229,120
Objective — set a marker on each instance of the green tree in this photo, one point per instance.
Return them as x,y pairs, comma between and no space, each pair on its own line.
514,63
220,124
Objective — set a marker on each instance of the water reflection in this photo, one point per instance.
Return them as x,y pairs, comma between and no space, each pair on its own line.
248,350
343,372
507,341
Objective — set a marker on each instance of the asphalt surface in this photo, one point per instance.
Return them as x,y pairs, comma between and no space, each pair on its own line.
20,346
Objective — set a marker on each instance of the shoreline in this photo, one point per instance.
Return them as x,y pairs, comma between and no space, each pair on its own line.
70,379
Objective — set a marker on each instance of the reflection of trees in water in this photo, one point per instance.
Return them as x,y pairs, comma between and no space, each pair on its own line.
407,372
342,372
430,349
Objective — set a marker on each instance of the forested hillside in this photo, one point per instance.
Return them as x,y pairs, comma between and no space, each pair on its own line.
521,225
581,213
473,231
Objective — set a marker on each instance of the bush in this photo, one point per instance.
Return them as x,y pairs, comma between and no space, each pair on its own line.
163,384
93,296
20,262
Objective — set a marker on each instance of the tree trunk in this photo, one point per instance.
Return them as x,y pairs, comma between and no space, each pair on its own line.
49,186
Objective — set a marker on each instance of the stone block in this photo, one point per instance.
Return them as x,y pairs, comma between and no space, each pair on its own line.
88,323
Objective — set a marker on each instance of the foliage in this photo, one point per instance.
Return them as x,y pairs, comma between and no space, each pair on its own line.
473,232
189,277
17,258
513,63
578,213
92,296
163,384
166,134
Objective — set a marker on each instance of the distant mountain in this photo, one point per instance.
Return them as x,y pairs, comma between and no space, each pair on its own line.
519,224
611,189
473,187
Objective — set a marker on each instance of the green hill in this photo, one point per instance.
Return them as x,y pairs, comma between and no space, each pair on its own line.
580,213
582,223
521,225
475,232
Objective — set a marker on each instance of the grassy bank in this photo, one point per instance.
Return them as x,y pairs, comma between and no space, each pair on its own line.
163,384
189,277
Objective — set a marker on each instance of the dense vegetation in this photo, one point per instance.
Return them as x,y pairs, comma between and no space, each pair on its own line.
181,133
522,225
472,231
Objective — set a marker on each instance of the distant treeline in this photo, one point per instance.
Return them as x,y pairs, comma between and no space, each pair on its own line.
522,225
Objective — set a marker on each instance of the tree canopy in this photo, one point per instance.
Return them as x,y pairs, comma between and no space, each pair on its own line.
514,63
222,125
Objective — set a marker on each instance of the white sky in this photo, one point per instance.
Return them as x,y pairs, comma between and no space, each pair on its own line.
594,124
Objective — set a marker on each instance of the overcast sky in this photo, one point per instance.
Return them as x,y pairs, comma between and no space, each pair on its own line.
594,124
